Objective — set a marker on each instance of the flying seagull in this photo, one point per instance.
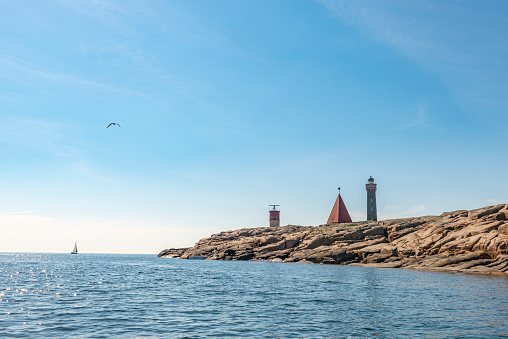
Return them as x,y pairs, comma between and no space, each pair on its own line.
113,123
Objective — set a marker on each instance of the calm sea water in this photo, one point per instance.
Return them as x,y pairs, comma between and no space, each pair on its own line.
142,296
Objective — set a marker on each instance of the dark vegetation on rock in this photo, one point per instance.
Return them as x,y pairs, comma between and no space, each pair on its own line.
460,241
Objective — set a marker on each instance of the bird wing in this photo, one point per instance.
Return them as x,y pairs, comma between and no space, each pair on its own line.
118,125
110,124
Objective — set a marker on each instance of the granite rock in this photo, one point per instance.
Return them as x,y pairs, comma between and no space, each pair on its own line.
473,241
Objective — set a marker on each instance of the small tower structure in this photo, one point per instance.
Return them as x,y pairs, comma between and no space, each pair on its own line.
274,216
371,188
339,212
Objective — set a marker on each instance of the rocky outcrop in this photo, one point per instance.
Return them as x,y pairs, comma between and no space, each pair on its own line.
173,252
460,241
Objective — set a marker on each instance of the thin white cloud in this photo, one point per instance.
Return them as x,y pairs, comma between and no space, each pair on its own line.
391,212
490,202
27,68
421,120
358,215
168,19
417,209
86,169
102,10
463,46
16,213
43,135
51,137
394,212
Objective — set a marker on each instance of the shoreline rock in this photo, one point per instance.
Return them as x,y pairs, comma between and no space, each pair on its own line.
473,241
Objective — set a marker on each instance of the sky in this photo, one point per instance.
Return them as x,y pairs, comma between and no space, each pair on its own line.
228,106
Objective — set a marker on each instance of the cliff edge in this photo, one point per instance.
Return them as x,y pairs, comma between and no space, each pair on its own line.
461,241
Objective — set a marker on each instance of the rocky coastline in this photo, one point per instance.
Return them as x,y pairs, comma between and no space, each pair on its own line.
473,241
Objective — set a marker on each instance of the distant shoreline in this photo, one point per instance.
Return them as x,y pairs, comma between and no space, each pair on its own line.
474,241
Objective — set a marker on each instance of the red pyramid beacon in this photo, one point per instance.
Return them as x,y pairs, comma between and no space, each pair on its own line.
339,212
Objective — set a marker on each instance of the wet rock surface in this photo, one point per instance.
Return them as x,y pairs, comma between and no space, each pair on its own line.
473,241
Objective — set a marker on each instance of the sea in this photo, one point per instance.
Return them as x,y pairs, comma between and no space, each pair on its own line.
143,296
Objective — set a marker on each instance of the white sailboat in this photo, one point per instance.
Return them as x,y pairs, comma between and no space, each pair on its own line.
75,250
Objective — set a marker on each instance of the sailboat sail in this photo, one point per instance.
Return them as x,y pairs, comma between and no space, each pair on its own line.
75,250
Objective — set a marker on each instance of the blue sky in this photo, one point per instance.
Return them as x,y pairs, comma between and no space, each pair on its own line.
226,107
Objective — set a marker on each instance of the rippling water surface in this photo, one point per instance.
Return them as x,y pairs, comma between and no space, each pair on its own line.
142,296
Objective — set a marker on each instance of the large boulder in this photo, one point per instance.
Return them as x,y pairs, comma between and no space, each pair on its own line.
481,212
319,241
